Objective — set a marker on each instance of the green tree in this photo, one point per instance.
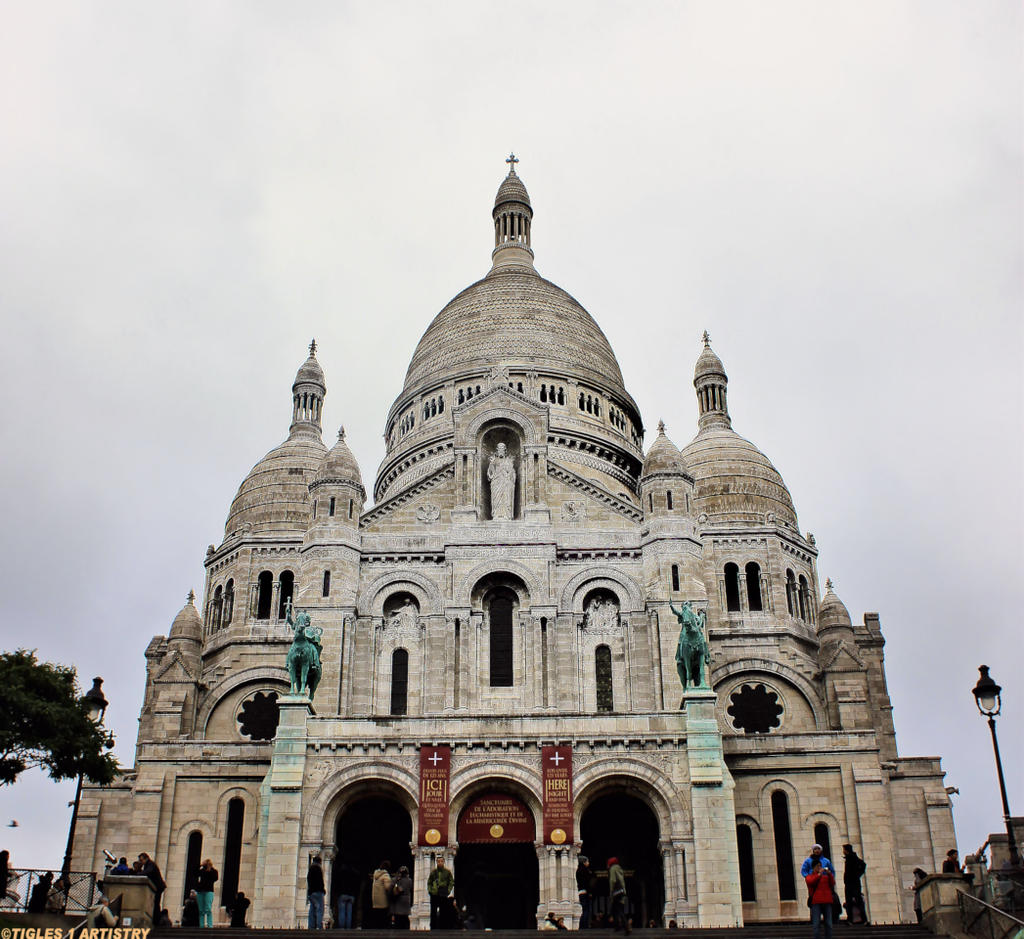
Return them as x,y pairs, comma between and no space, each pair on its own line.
45,723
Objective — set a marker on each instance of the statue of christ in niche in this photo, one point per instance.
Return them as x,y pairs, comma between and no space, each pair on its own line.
501,474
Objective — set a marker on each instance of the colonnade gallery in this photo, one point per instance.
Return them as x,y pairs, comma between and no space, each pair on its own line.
497,632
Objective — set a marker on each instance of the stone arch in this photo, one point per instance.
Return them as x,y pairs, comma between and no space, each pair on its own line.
641,779
195,824
251,819
371,600
338,790
764,796
743,819
631,597
531,437
277,675
504,775
782,672
837,831
464,591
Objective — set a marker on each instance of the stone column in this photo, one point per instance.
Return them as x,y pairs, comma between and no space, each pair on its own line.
716,861
276,892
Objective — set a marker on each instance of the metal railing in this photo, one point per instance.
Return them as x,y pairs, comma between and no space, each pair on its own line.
51,893
981,919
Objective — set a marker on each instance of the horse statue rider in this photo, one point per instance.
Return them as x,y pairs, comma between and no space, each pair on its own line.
692,652
304,655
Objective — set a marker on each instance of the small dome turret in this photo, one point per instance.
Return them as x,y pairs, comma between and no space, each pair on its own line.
188,625
663,457
711,382
308,392
665,485
834,621
336,492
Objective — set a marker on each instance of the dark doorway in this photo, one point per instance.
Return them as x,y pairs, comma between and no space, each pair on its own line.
498,884
370,830
622,826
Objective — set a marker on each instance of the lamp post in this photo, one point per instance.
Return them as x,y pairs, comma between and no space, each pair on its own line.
97,706
987,697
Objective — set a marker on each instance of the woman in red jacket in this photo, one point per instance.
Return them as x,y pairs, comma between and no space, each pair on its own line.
821,884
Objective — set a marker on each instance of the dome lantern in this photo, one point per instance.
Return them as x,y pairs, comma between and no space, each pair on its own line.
513,217
308,392
710,380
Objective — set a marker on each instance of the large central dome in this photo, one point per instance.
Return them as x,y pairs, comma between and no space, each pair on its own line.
513,316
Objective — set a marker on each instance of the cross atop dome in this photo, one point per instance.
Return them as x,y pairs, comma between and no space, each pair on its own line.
707,340
661,428
312,346
512,161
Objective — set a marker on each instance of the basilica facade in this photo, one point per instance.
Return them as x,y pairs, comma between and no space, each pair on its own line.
499,629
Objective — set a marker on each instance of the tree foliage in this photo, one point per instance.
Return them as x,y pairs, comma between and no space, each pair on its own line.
45,723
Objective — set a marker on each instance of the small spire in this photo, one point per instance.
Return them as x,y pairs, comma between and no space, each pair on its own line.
191,598
341,432
512,161
707,340
661,428
828,583
312,347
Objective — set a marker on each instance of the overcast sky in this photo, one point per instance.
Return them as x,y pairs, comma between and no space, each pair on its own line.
190,191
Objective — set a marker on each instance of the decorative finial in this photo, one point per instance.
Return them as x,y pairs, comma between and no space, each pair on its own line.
707,340
312,347
341,432
661,428
512,161
828,583
191,598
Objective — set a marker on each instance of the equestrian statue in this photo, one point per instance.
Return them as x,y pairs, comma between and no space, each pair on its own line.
304,669
692,652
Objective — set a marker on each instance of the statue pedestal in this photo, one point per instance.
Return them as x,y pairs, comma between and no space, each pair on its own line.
137,898
277,854
716,862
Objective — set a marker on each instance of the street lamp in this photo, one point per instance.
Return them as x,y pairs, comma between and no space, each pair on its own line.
97,707
987,695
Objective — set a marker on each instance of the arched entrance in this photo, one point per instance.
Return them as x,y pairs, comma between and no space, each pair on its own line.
624,826
496,870
370,830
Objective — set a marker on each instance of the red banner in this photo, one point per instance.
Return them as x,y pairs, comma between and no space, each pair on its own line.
435,772
556,772
496,819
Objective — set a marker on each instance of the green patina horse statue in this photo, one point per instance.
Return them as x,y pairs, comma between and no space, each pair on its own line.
692,652
303,662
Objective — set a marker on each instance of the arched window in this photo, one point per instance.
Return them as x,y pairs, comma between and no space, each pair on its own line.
399,682
327,584
732,587
581,401
603,674
440,404
351,506
754,587
675,577
287,589
330,507
791,592
193,858
232,852
783,845
668,499
229,601
803,598
501,606
544,393
315,502
561,396
218,607
745,846
264,594
822,837
650,502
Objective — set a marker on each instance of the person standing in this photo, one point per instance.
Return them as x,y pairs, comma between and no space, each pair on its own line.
239,907
952,863
149,869
585,890
617,895
379,895
439,886
821,884
190,911
206,877
401,899
345,879
315,892
919,876
816,855
853,870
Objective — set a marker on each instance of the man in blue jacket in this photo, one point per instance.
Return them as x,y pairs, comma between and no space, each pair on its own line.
816,855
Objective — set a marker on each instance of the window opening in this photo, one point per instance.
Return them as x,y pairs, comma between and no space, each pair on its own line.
754,602
675,577
330,507
399,682
603,670
732,587
287,590
783,845
327,584
822,837
264,594
193,858
745,846
232,852
501,608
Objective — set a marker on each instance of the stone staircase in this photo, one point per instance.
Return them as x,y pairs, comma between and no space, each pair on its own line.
773,930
